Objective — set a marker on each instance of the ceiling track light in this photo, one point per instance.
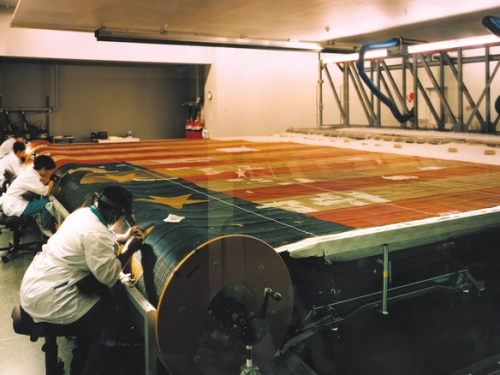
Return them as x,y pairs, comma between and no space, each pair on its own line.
105,35
473,42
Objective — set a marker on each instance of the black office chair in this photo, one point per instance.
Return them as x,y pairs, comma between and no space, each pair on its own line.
15,224
7,180
24,325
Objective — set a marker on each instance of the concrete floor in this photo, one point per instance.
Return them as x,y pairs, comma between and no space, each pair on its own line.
19,354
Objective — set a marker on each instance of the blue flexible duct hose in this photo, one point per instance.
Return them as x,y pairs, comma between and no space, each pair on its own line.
376,91
493,25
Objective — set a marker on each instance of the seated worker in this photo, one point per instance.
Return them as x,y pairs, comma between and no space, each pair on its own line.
52,289
30,181
11,163
6,146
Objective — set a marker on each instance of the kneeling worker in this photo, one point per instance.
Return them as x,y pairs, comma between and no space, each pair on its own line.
14,202
52,288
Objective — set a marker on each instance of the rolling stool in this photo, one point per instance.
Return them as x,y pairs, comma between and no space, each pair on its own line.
14,223
24,325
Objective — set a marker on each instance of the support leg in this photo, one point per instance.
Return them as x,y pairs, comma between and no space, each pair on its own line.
53,365
249,368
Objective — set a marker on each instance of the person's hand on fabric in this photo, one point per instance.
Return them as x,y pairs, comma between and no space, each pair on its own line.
134,231
132,245
54,177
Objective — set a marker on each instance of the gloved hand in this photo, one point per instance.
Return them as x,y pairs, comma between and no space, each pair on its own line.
54,177
134,231
133,244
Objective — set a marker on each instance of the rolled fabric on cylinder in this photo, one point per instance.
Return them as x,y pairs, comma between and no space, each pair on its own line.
210,300
207,281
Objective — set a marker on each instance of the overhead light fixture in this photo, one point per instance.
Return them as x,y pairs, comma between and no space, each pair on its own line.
206,41
456,43
374,54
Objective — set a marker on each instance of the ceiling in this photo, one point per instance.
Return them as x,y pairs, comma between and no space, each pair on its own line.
335,23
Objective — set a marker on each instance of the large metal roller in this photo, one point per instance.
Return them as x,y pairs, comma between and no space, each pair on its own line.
231,292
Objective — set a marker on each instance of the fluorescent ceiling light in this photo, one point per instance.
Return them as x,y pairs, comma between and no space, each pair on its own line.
203,40
451,44
374,54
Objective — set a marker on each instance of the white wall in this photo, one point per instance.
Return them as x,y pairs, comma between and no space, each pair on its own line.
260,92
254,92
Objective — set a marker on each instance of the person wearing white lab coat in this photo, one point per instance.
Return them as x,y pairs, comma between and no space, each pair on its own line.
55,287
14,202
6,146
12,162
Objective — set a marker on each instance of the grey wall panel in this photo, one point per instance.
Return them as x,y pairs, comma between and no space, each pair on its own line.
89,97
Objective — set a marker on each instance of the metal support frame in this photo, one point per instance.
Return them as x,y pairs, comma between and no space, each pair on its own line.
144,315
330,316
433,65
440,91
385,280
366,101
343,113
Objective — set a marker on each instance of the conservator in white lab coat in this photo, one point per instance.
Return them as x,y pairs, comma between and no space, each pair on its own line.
52,288
6,146
12,162
14,202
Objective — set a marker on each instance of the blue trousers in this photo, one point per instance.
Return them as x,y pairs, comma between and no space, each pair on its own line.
38,207
109,344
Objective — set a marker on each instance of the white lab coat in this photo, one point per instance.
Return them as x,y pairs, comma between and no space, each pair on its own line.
82,244
7,147
10,163
13,204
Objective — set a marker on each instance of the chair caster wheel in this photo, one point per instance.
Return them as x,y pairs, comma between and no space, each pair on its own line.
5,259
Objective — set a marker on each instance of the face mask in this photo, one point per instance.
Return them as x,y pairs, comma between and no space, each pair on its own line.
118,224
